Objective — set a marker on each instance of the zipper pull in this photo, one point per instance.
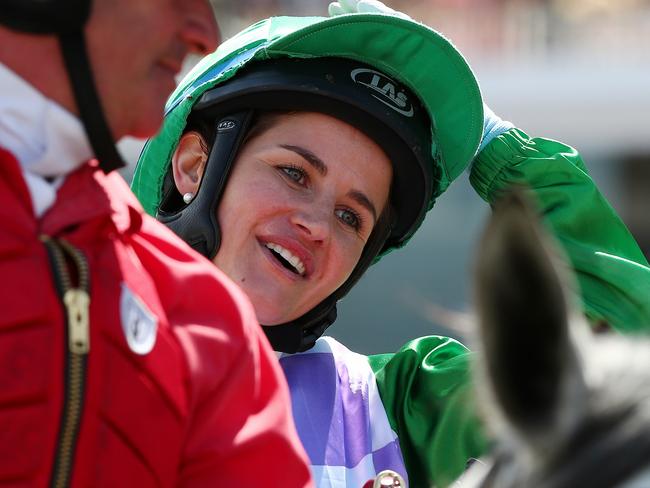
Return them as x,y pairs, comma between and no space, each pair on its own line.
77,303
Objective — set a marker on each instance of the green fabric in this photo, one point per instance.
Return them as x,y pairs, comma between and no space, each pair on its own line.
410,52
425,390
425,386
612,272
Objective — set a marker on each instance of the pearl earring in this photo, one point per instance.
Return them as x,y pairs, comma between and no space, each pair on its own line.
187,198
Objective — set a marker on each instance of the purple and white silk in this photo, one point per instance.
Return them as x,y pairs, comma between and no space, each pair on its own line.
339,415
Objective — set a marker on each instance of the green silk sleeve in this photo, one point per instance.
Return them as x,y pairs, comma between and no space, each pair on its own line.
613,275
426,393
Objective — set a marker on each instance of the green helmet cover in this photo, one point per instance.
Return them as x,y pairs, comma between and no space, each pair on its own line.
411,53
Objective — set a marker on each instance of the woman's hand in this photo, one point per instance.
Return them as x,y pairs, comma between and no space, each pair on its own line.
362,6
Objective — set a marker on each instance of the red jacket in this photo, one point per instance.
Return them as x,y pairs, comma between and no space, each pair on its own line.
203,405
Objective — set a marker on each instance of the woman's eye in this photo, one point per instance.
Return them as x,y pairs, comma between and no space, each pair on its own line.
294,173
349,218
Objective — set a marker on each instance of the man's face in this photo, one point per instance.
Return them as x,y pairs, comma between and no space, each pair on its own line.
136,48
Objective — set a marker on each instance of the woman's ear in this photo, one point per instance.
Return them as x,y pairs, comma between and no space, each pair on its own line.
188,162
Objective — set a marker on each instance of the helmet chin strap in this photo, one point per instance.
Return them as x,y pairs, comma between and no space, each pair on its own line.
197,222
77,62
301,334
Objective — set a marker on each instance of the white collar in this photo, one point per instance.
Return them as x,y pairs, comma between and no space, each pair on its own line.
47,140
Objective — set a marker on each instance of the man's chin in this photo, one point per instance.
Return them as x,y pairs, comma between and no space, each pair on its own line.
147,126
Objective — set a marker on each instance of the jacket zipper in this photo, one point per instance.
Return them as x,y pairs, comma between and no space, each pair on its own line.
76,301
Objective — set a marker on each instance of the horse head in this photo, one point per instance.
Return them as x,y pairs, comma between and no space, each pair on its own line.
567,408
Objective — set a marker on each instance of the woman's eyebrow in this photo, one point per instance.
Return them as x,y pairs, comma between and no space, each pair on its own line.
364,201
308,156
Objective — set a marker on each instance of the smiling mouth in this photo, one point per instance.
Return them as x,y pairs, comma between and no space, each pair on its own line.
286,258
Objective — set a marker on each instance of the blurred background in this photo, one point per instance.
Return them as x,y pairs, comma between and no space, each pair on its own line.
573,70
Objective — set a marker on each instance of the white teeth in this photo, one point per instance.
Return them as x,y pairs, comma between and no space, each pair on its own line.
286,254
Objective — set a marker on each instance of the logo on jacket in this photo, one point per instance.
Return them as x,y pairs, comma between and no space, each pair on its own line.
386,90
139,324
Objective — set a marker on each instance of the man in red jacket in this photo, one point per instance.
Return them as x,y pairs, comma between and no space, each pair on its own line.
126,360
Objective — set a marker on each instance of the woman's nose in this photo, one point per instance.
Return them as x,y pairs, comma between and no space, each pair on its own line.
314,225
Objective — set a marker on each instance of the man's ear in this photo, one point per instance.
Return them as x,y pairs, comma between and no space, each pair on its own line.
188,162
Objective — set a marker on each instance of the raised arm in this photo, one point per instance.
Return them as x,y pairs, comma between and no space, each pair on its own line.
612,272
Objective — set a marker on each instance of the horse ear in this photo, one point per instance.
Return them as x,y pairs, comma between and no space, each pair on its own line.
523,314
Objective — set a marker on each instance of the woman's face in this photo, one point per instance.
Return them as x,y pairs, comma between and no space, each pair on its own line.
299,206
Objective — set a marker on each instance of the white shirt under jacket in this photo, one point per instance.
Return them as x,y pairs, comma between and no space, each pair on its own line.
48,141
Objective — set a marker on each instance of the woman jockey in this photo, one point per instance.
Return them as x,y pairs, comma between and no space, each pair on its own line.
305,149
